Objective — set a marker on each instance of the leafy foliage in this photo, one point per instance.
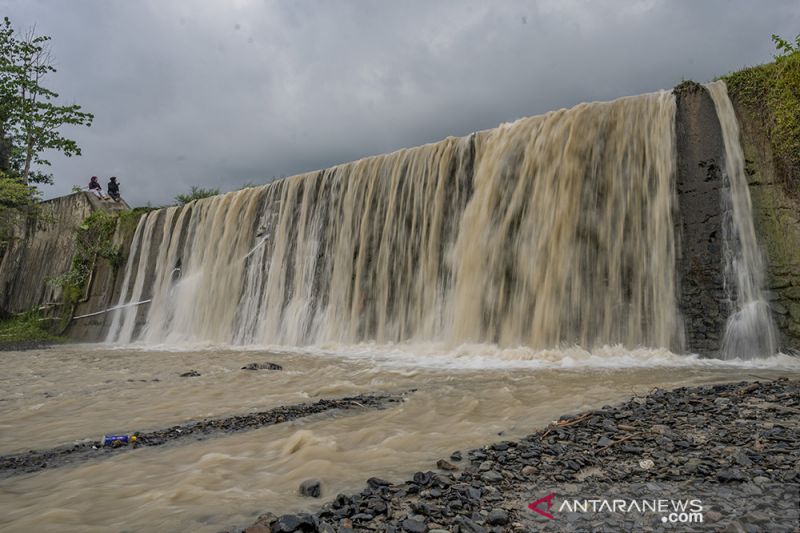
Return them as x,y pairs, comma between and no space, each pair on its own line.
785,47
17,202
24,328
14,194
196,194
29,118
771,92
93,238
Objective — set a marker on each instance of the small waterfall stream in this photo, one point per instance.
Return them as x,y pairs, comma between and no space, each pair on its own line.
749,331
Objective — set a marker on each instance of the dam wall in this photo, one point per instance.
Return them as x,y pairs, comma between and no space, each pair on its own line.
41,249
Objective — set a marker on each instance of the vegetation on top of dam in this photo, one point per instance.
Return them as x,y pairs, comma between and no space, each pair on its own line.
771,93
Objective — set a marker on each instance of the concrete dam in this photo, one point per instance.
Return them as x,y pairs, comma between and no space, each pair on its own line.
647,221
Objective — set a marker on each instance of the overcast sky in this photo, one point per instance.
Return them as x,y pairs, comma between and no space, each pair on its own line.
221,93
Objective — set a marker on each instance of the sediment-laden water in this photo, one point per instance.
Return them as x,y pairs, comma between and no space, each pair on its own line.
552,230
465,397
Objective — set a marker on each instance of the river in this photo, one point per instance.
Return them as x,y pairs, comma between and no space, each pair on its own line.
466,397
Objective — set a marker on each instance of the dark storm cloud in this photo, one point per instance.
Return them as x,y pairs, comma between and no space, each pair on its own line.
223,93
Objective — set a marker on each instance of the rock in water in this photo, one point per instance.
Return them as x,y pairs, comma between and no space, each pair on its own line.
311,488
445,465
262,366
376,482
190,374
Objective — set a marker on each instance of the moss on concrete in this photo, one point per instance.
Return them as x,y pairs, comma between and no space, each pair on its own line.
767,103
93,239
129,219
771,93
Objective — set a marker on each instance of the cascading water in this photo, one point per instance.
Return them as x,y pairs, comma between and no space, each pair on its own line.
749,331
548,231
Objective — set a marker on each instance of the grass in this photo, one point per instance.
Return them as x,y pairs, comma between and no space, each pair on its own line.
129,219
771,93
27,327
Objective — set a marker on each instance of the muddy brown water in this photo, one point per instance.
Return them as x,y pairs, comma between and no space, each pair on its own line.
465,398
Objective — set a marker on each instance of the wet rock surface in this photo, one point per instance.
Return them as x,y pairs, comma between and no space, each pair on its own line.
262,366
311,488
725,445
36,460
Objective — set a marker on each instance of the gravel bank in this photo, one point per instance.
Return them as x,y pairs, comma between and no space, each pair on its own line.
711,458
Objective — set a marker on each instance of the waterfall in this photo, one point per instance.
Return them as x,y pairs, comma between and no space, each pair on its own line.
552,230
749,331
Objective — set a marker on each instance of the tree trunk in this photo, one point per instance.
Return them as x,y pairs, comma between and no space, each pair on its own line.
28,158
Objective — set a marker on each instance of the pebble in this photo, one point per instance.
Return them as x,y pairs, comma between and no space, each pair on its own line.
604,441
497,517
491,476
291,522
414,526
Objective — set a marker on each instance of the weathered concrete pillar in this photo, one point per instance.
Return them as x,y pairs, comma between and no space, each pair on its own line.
701,154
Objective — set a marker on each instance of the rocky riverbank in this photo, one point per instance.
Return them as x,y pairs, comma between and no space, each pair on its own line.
721,457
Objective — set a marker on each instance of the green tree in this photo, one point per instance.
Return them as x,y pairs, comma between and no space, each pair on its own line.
16,201
30,120
196,194
786,48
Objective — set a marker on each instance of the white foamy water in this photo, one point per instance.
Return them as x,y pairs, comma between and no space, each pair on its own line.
489,356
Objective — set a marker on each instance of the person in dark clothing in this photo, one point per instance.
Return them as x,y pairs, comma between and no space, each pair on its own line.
96,189
113,188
